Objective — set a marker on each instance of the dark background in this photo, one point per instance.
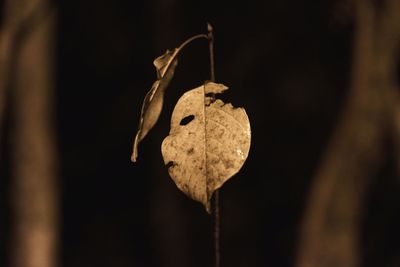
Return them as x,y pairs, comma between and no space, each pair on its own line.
286,62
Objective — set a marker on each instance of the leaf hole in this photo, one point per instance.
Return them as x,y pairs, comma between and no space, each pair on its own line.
211,95
186,120
170,164
212,98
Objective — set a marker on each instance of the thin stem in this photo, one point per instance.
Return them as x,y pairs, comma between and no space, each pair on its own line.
217,217
178,50
210,36
191,39
217,221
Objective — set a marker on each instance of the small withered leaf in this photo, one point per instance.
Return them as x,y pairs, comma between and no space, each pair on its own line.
153,102
211,148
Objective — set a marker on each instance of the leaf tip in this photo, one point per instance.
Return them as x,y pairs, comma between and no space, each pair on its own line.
135,149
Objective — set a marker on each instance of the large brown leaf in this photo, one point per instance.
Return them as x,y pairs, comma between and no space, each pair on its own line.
153,102
208,142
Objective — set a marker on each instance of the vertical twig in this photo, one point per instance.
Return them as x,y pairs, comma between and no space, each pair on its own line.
217,219
211,46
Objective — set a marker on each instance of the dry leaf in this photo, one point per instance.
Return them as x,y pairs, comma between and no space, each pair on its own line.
153,101
207,144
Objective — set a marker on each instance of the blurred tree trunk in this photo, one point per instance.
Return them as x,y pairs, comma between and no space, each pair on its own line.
3,77
27,52
4,69
330,231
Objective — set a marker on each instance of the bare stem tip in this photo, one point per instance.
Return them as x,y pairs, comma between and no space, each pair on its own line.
210,29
